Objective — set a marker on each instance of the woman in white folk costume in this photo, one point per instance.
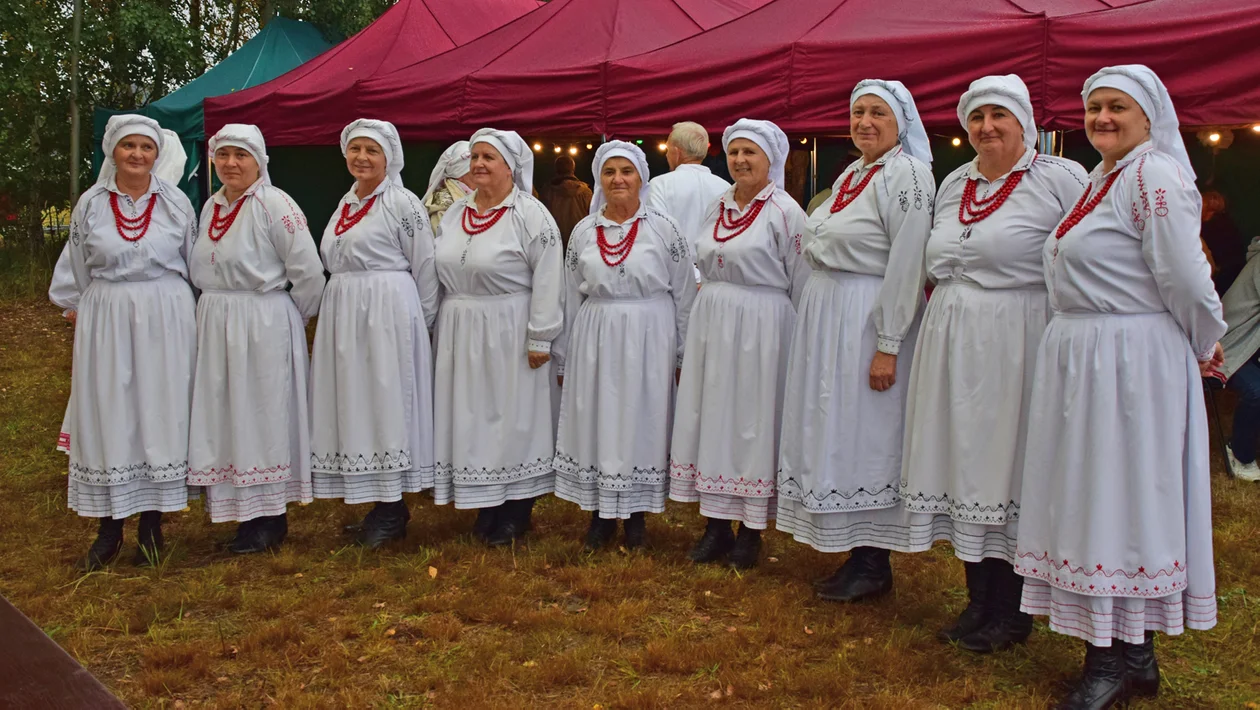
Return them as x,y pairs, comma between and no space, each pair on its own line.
971,380
250,441
371,369
448,182
844,409
628,290
499,261
124,283
1119,544
726,424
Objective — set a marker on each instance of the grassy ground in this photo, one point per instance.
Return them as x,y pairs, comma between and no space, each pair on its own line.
440,621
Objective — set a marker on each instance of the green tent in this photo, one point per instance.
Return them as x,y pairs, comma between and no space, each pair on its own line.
280,46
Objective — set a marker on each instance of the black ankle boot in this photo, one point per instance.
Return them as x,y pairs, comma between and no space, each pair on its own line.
151,543
1102,682
830,580
600,533
1007,625
636,530
261,534
1141,672
108,543
747,548
384,523
513,522
977,612
713,545
870,577
487,521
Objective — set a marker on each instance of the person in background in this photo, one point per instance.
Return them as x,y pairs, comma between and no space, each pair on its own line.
448,182
689,189
1223,240
567,198
1241,343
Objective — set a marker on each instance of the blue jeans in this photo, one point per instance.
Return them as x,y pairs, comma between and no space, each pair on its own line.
1246,382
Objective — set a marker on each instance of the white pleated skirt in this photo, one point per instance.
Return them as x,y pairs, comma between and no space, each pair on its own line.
840,460
616,411
250,441
967,416
1120,541
726,423
371,390
126,426
493,422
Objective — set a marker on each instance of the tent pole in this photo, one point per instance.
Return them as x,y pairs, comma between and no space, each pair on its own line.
813,169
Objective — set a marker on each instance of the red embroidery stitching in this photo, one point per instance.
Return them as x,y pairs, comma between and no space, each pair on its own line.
248,477
742,487
1161,203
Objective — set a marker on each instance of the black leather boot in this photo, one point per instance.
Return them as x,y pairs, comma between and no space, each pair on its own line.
713,545
384,523
151,543
636,530
487,521
1102,683
747,548
513,522
830,580
870,577
600,533
108,543
1141,672
976,613
262,534
1007,625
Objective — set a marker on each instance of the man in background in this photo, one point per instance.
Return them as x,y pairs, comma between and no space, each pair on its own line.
566,197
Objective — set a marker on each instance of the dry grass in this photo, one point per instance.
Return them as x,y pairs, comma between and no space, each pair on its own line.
322,624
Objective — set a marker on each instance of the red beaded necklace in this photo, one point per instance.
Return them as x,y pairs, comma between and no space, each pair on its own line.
846,196
346,220
139,224
971,210
1083,208
219,226
739,225
476,224
615,254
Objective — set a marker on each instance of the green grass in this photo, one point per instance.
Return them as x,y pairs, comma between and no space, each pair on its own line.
439,621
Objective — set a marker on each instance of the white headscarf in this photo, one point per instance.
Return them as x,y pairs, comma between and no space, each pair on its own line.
910,131
452,164
1138,81
386,136
246,136
119,127
618,149
515,152
772,141
171,159
1007,91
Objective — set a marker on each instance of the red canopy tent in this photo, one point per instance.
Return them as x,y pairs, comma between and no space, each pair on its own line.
312,103
544,73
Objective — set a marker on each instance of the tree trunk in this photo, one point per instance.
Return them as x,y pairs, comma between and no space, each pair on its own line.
234,34
268,12
194,24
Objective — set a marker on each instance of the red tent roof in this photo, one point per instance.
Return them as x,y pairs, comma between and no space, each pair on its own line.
312,103
542,73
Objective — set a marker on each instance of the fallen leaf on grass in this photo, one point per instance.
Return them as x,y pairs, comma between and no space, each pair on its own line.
530,664
708,593
332,618
222,679
379,605
731,629
432,572
298,575
764,686
809,630
362,659
715,695
391,632
772,559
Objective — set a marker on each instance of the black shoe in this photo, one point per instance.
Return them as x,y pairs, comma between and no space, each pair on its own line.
635,530
1007,625
513,523
260,535
747,548
1102,683
600,533
976,613
870,577
108,543
389,523
368,521
713,545
1141,672
487,521
151,543
830,580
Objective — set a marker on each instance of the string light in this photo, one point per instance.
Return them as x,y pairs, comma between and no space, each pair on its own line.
1215,137
639,142
661,147
557,148
1255,128
538,147
957,141
804,141
589,146
572,150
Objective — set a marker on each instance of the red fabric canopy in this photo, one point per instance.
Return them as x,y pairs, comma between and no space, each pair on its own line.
312,103
541,74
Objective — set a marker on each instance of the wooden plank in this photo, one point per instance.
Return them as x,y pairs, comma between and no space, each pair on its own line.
36,673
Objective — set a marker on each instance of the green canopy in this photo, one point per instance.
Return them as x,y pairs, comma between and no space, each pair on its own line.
280,46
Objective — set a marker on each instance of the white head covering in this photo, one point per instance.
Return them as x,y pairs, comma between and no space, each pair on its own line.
772,141
1138,81
386,136
452,164
618,149
119,127
1007,91
171,159
246,136
515,152
910,131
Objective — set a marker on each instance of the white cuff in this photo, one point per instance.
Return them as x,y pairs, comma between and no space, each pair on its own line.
888,345
539,346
